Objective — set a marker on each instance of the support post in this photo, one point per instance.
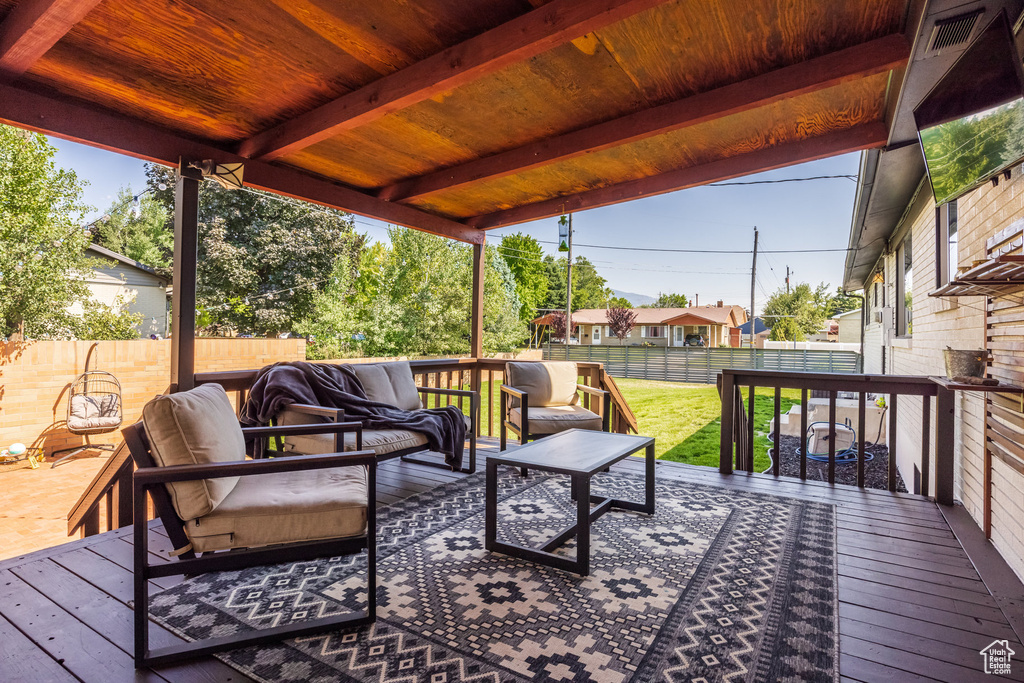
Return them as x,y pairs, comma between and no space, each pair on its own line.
728,394
945,414
183,302
476,328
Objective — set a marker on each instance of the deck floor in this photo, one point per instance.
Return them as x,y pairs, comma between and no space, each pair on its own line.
910,610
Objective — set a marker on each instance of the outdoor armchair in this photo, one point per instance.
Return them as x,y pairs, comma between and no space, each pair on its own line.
542,398
237,513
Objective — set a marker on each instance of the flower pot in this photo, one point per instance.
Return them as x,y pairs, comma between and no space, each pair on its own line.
965,363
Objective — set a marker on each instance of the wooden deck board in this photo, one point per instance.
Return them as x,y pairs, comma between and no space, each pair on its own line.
910,610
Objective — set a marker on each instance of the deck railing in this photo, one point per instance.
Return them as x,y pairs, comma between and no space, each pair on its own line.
738,424
106,503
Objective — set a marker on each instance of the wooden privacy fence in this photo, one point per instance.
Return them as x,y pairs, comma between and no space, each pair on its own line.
702,365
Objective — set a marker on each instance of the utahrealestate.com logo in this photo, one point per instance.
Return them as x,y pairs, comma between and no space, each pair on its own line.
997,657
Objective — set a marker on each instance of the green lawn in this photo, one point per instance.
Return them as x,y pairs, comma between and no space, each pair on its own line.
685,419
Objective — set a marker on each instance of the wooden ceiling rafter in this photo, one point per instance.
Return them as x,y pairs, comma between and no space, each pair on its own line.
857,138
866,59
32,28
107,130
531,34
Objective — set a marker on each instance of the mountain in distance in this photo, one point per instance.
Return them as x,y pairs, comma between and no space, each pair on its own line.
635,299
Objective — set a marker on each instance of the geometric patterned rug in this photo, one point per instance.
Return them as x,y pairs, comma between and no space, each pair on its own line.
719,585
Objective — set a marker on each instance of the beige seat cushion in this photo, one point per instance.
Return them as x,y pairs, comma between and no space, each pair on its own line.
196,427
381,441
95,412
551,383
286,507
554,419
390,383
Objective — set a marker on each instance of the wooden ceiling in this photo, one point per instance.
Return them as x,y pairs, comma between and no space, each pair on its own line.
454,116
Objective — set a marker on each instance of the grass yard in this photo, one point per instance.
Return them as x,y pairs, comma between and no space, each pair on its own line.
685,419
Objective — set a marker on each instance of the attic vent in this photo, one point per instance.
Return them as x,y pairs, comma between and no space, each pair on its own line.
953,31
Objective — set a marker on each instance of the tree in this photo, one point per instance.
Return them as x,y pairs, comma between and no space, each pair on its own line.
804,306
100,321
669,301
589,289
43,255
413,297
558,326
525,260
618,302
262,258
332,323
621,321
841,302
140,232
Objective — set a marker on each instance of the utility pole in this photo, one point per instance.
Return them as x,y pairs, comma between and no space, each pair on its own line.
568,289
787,279
753,280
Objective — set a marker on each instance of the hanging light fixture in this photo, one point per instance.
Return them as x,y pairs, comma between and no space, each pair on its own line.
136,207
228,176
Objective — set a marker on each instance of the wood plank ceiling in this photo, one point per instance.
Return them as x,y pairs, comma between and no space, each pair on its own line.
455,116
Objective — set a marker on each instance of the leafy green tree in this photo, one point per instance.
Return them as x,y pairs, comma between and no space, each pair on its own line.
669,301
43,253
413,297
841,302
140,232
333,320
525,260
803,306
618,302
262,259
589,289
100,321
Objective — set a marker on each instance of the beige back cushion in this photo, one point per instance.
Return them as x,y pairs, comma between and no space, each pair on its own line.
390,383
551,383
195,427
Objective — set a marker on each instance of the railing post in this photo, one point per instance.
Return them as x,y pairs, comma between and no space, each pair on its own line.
725,442
944,415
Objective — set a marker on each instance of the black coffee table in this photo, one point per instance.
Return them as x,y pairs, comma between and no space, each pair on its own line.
580,454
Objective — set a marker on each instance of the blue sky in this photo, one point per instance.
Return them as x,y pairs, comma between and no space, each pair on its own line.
789,216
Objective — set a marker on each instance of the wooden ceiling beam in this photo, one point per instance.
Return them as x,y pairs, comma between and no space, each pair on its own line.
33,27
876,56
526,36
81,123
854,139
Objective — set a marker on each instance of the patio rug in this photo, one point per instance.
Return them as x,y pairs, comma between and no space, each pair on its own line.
719,585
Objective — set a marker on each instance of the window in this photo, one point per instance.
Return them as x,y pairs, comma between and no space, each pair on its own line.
904,289
947,243
651,331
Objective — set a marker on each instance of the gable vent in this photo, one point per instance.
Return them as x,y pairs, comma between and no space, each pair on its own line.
953,32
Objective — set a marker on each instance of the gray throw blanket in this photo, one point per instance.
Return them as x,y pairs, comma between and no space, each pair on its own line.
336,386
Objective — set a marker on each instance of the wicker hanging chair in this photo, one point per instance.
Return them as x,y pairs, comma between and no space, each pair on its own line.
94,407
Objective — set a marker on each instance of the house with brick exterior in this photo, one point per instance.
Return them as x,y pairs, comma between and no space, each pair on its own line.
659,326
913,260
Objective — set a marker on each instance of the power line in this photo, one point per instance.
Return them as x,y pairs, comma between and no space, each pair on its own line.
707,251
783,180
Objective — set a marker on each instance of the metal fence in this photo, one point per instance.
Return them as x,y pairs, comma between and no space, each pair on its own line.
701,365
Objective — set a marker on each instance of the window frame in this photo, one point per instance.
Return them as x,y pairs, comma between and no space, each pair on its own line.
904,323
945,269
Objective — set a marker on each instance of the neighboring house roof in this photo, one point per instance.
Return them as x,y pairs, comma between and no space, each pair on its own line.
691,315
854,311
759,327
103,252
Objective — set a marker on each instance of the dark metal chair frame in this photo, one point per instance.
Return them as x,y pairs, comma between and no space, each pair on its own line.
338,415
152,479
